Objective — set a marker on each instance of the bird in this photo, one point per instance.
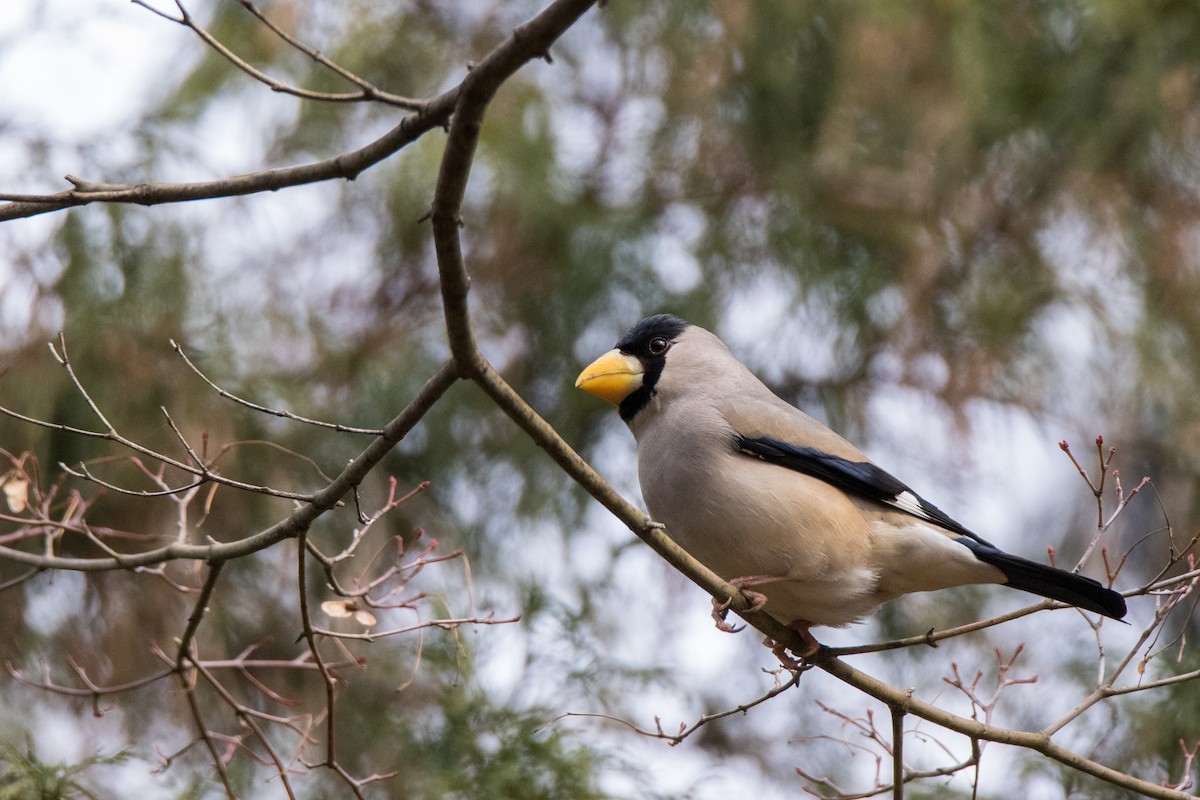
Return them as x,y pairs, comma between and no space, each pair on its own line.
768,498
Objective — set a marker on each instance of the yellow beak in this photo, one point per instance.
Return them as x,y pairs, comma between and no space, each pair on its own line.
612,377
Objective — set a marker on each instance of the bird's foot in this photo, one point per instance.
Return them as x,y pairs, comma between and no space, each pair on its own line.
719,612
801,627
756,600
781,652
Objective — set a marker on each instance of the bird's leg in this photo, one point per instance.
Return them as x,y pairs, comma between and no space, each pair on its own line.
780,651
801,627
756,599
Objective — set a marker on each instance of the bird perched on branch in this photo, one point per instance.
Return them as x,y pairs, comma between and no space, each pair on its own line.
773,501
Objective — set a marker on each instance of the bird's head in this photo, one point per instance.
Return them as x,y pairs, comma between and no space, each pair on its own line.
627,376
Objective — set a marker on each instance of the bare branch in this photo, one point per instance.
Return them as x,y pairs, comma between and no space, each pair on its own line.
443,624
274,412
17,581
1189,758
897,715
528,42
687,730
197,616
250,718
91,690
366,92
311,639
909,777
64,361
931,637
86,474
346,166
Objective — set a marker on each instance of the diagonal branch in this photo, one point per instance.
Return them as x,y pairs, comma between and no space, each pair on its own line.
529,41
476,93
532,40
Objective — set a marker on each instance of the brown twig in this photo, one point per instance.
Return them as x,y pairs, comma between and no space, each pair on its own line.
336,426
346,166
368,91
686,730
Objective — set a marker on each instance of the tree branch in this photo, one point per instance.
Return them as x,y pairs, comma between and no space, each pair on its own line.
346,166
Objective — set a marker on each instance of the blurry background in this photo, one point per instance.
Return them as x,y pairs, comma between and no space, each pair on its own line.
957,233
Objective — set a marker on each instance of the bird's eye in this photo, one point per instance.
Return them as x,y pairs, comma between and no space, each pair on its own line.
658,346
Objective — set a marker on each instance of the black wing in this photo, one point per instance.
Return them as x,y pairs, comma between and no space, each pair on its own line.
861,478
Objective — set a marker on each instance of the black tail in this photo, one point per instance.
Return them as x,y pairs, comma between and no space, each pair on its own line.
1057,584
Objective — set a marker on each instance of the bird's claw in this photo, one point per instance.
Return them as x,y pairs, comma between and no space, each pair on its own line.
756,600
781,652
811,645
719,611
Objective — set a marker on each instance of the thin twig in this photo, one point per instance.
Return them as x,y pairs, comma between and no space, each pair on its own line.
198,612
369,90
311,639
337,426
346,166
444,624
897,752
364,94
250,718
687,730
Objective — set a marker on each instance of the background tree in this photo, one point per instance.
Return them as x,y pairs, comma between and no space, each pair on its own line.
968,227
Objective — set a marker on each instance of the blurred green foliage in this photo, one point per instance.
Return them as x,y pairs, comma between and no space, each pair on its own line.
24,777
978,202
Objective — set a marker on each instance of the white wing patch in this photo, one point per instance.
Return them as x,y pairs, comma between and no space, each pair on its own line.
909,503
